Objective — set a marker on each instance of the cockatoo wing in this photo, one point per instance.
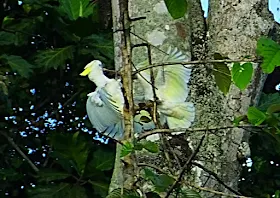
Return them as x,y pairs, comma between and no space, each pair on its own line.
177,115
172,80
104,108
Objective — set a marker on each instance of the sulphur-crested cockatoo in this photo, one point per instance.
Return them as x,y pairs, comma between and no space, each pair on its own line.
171,87
105,105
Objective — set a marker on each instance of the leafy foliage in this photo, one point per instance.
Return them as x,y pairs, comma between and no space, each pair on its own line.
44,45
176,8
222,75
270,51
242,74
123,193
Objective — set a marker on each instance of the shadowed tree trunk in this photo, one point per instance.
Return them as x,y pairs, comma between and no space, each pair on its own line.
231,30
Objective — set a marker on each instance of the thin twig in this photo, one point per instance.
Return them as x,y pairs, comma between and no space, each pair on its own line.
148,133
216,177
184,168
11,141
190,184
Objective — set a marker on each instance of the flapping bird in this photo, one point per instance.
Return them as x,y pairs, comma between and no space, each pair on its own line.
105,105
171,88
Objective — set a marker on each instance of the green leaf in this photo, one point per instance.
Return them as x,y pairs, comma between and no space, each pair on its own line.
242,74
270,51
18,64
273,108
222,75
126,149
54,58
7,38
238,119
57,191
100,187
76,8
268,99
103,160
150,146
189,193
176,8
161,181
255,116
47,175
123,193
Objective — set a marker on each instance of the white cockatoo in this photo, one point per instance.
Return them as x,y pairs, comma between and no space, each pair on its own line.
171,88
105,105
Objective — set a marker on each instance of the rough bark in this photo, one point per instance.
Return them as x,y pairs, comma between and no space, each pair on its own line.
231,30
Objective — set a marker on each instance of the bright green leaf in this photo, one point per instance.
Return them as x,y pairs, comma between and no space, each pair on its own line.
54,58
176,8
242,74
270,51
238,119
150,146
76,8
103,160
127,148
18,64
222,75
255,116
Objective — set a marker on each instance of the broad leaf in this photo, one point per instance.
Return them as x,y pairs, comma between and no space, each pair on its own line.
222,75
57,191
268,99
238,119
150,146
103,160
270,51
48,175
123,193
7,38
273,108
176,8
100,187
242,74
18,64
76,8
161,182
255,116
189,193
127,148
54,58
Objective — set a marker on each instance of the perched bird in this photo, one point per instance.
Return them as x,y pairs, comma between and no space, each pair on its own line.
105,105
171,88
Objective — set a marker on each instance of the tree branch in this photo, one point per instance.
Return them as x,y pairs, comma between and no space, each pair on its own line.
186,165
13,144
148,133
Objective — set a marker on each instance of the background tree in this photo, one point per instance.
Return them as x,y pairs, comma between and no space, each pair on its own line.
48,147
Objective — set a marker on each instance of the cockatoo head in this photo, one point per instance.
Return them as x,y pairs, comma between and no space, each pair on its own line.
94,66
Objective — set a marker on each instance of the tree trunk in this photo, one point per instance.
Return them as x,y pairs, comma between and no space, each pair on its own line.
232,30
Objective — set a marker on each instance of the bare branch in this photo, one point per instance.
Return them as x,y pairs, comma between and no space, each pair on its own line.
148,133
184,168
216,177
16,147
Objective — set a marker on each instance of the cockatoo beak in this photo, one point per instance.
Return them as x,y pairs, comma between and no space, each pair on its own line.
86,71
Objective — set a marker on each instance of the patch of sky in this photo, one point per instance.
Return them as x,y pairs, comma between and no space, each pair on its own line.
273,6
33,91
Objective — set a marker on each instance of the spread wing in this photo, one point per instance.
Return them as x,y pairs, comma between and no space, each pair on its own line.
104,110
172,80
